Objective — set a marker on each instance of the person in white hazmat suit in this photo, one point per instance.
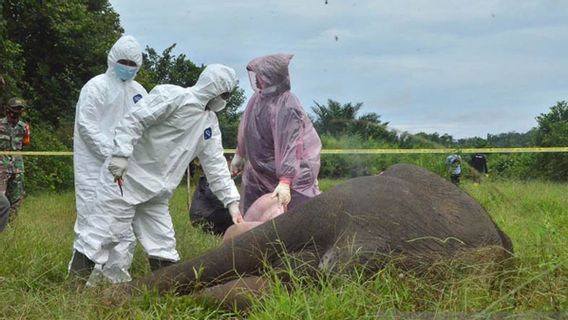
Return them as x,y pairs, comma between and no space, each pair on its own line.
153,146
103,101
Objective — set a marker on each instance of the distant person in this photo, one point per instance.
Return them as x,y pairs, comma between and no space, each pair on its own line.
479,165
103,101
277,138
453,162
14,135
4,202
153,146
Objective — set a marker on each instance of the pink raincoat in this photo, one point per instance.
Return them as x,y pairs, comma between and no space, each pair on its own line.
276,136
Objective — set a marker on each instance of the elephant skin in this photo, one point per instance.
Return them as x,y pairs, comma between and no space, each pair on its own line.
405,211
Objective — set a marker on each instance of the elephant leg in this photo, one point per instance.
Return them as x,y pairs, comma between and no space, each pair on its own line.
240,292
240,255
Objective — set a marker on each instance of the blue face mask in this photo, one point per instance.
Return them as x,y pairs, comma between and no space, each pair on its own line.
125,73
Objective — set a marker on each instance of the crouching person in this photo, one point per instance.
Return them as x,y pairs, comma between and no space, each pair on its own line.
156,142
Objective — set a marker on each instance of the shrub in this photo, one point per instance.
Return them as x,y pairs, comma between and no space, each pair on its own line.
48,173
352,165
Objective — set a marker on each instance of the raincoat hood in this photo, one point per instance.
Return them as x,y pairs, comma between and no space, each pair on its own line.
124,48
276,135
215,80
270,73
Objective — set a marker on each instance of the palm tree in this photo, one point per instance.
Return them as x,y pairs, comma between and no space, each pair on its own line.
336,119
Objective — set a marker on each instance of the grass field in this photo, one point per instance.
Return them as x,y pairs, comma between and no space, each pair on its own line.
35,251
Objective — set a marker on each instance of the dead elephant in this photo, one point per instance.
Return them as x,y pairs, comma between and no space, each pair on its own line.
406,211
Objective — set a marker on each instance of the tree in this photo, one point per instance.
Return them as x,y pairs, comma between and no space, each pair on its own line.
512,139
552,131
230,118
425,140
370,126
167,68
12,66
63,44
48,50
336,119
179,70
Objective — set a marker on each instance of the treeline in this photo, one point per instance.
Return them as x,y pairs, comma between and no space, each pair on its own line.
341,126
50,49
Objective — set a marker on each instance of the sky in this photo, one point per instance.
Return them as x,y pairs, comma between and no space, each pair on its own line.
466,68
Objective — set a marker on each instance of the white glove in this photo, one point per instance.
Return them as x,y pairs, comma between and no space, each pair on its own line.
118,166
282,192
237,164
235,212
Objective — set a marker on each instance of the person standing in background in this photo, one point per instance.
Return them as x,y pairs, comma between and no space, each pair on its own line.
14,135
479,164
103,101
276,140
453,162
4,202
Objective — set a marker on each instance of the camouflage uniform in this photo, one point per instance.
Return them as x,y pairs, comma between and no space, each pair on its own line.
11,166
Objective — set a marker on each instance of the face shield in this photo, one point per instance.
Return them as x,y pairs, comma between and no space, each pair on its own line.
255,81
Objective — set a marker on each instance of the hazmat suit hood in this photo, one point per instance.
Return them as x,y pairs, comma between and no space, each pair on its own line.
269,74
124,48
215,80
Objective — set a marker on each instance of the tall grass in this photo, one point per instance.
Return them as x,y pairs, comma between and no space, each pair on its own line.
35,252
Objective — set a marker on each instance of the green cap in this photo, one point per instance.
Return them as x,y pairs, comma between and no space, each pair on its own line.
16,104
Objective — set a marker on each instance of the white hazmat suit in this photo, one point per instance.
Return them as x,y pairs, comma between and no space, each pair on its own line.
170,128
103,101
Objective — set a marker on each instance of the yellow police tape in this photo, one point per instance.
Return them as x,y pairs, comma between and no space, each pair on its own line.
444,150
37,153
438,151
351,151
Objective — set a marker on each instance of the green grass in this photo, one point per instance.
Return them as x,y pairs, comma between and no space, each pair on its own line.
35,252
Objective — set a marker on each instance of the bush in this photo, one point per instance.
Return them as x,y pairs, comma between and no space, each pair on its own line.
517,166
352,165
48,173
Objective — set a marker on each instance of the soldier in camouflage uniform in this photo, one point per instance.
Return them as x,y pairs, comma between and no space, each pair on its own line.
4,203
14,134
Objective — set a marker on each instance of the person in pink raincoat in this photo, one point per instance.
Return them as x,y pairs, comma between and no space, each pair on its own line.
278,147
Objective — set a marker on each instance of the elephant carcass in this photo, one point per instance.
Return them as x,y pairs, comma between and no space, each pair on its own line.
404,211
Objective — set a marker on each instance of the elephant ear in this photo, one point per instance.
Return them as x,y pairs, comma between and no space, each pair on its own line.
264,208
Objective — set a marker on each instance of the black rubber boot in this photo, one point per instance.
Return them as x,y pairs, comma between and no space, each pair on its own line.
81,268
156,264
